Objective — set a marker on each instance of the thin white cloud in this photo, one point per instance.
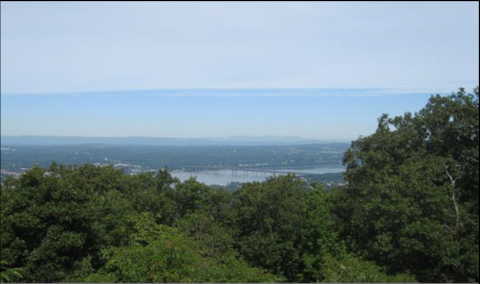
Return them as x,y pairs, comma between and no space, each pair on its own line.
65,47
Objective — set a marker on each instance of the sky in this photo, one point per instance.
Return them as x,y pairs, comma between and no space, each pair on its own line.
322,70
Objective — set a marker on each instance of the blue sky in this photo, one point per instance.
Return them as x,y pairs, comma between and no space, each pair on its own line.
98,69
200,113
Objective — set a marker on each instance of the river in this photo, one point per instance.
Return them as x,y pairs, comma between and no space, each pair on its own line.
224,177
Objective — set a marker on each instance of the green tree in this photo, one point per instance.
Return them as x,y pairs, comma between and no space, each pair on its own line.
412,199
352,269
53,222
8,274
271,219
210,236
163,254
321,239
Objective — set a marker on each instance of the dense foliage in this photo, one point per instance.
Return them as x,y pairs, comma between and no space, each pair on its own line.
412,199
409,213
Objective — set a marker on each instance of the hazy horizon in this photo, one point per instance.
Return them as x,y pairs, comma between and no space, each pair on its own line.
15,141
342,115
166,137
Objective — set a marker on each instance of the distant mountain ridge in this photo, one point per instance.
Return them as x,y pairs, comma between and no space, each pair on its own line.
158,141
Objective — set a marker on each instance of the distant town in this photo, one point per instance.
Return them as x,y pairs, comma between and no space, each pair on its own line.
215,165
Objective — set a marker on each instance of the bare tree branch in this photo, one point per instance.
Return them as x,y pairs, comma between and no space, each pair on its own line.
453,197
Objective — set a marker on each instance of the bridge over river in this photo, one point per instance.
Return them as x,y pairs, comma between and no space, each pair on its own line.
244,171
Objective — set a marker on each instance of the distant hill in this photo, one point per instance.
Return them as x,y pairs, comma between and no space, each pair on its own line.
155,141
